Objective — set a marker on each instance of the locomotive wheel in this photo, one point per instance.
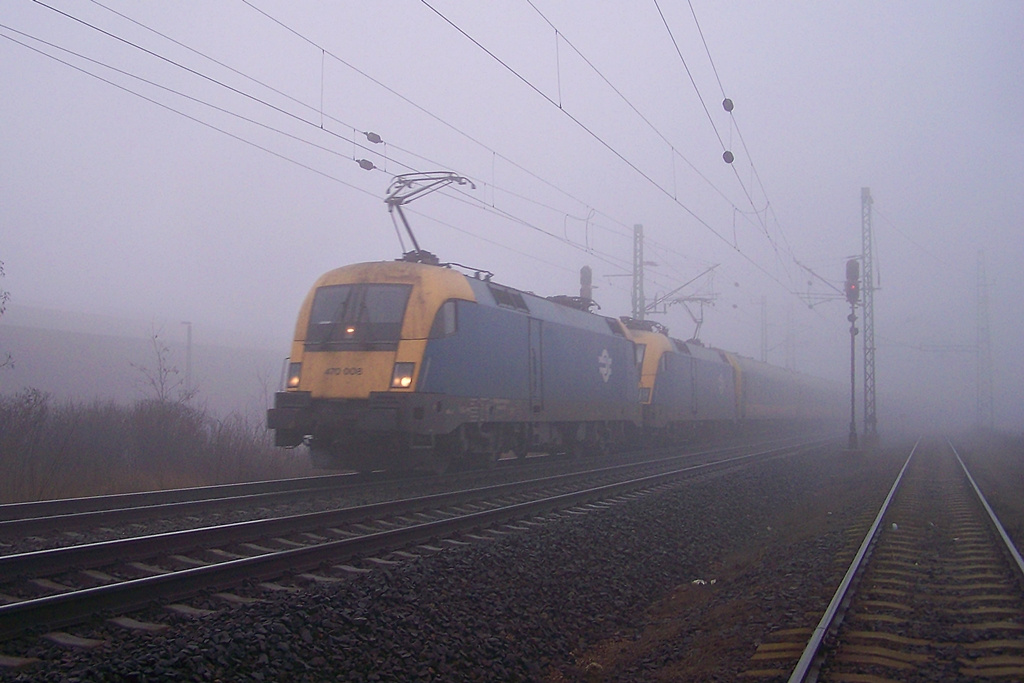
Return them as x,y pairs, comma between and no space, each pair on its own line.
448,449
487,460
521,443
439,462
572,444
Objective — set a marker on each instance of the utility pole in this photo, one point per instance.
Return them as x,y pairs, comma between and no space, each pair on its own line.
764,329
870,419
188,357
790,342
639,304
984,351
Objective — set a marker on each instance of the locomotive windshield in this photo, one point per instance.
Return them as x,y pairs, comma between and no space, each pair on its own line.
357,317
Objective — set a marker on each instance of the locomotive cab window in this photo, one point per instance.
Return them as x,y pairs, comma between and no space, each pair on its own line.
445,321
357,317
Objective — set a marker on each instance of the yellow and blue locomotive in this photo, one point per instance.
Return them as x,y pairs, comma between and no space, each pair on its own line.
688,390
413,364
405,364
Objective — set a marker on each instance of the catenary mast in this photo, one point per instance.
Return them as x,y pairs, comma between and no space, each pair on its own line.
868,293
986,417
639,304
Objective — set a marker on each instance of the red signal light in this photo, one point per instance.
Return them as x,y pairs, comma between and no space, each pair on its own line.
853,281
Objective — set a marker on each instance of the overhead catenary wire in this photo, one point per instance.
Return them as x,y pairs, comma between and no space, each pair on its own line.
425,111
633,107
711,120
732,117
613,150
177,111
326,52
355,142
472,200
605,258
252,97
472,139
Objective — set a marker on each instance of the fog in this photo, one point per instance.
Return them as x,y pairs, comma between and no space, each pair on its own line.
199,162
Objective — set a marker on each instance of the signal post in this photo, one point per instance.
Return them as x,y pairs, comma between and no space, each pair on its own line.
852,290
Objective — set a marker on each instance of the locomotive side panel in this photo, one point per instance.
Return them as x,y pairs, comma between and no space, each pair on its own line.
715,386
588,375
486,355
674,397
771,393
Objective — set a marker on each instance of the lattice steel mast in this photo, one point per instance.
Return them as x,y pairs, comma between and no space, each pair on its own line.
639,304
986,418
868,292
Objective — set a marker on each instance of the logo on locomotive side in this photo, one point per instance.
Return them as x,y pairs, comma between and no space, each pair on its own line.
604,365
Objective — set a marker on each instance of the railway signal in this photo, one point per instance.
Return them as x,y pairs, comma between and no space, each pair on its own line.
853,281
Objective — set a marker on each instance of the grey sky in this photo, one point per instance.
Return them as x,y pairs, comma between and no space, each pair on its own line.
112,204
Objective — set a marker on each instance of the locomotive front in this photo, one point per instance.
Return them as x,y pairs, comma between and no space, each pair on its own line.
358,346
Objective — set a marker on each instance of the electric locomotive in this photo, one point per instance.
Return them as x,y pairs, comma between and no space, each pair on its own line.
411,364
686,390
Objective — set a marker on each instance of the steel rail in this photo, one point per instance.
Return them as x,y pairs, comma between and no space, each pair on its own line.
79,513
832,614
1011,549
63,508
42,563
76,506
67,608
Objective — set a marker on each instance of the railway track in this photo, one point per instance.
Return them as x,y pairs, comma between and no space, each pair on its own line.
51,589
64,522
71,514
935,592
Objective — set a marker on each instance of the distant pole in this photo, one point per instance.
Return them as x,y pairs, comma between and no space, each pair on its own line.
790,342
188,356
868,307
764,329
983,360
638,272
586,283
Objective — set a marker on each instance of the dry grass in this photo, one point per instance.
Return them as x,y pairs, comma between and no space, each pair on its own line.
63,450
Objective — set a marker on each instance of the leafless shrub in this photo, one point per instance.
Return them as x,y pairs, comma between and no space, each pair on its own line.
25,416
66,450
161,379
167,442
6,360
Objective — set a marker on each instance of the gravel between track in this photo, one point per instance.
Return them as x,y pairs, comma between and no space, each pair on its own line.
609,595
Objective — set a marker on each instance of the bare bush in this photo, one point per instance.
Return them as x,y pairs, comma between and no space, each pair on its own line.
162,379
6,360
25,416
67,450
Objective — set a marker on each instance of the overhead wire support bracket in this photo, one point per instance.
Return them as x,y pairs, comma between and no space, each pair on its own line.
409,186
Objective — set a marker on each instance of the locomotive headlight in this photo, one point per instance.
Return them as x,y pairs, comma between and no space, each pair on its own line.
294,375
401,378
